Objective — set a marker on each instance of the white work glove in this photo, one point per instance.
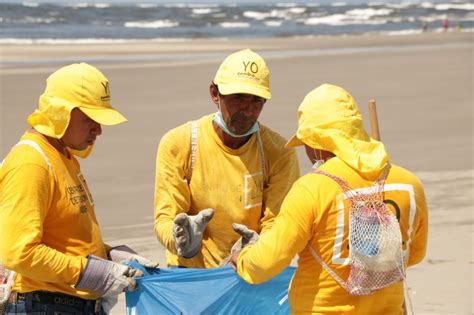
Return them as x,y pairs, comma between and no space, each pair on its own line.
247,237
107,278
123,254
188,231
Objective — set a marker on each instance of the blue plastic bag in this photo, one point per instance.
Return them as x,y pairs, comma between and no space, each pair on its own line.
207,291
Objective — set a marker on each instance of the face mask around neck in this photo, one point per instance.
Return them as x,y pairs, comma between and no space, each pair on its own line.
318,161
219,120
317,164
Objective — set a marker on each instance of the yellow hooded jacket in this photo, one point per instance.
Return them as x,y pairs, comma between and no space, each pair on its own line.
47,220
308,216
315,213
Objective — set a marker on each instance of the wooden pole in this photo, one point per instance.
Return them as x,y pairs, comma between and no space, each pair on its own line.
374,126
374,123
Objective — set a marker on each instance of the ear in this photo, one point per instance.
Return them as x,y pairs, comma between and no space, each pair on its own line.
214,92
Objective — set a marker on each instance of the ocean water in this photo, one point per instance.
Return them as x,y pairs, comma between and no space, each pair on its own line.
117,21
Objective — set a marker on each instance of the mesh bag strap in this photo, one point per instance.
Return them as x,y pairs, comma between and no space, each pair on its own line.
379,182
342,183
383,175
331,272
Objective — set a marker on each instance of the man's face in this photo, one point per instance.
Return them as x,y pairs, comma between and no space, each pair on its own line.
240,111
82,131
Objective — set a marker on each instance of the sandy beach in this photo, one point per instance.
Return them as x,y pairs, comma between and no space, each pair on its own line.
423,86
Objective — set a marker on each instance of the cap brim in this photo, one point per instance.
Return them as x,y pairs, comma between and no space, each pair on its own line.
104,116
293,142
226,89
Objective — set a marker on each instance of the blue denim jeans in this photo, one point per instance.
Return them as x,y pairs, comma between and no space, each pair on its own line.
28,306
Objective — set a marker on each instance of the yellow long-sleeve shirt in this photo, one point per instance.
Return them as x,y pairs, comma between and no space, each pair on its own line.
308,216
47,220
224,179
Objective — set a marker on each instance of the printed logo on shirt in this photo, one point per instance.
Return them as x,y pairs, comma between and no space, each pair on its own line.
253,190
79,194
86,189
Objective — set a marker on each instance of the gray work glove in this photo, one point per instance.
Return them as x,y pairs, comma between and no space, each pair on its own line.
188,231
107,278
247,237
123,254
108,302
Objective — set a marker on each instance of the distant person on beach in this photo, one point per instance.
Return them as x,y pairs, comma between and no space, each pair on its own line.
49,234
221,169
424,27
356,221
445,24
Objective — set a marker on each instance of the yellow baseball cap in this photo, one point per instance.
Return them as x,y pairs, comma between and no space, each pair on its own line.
329,119
77,85
244,72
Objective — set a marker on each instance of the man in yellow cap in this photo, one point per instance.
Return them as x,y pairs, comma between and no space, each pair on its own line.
49,235
225,166
354,227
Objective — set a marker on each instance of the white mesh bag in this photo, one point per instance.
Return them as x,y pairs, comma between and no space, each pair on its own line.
375,242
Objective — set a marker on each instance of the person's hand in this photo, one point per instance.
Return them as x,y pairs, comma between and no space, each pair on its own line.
124,254
188,231
247,237
107,278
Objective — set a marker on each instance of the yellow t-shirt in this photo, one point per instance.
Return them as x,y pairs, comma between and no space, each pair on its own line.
47,220
308,216
227,180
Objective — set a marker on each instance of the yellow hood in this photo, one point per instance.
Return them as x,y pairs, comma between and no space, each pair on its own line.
329,119
77,85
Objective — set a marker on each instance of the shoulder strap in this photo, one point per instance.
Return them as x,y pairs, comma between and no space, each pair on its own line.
192,155
6,275
345,188
342,183
326,267
35,146
379,182
262,158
